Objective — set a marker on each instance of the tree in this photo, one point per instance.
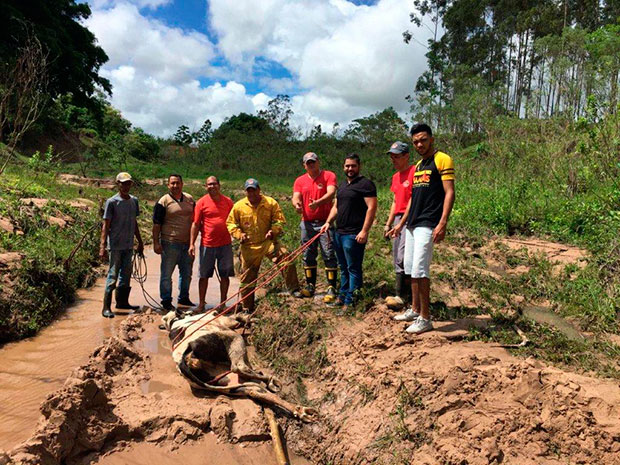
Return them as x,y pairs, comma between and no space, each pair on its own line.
242,123
23,86
182,136
278,114
380,128
204,134
74,58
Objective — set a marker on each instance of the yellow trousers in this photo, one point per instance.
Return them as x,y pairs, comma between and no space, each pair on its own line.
251,257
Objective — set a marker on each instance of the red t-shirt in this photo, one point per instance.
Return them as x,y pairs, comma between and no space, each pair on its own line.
211,217
401,186
314,189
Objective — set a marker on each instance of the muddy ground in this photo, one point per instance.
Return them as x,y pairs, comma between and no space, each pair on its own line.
384,397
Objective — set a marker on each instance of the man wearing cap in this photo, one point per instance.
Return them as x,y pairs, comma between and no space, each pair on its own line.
401,187
426,219
257,221
215,245
354,212
313,195
119,228
172,221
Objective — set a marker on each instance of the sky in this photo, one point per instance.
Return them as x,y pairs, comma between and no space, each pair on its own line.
174,62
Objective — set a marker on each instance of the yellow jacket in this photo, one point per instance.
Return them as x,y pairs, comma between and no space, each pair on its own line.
255,221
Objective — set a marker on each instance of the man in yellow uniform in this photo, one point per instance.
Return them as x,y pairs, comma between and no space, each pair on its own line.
257,221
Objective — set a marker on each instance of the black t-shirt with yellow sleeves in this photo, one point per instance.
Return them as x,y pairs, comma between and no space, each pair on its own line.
427,193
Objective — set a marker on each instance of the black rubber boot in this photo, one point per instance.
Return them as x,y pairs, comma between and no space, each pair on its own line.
310,272
122,299
107,304
332,284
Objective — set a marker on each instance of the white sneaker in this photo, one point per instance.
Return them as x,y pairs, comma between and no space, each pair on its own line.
419,326
409,315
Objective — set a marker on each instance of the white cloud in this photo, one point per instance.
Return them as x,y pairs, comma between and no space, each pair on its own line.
99,4
348,60
167,53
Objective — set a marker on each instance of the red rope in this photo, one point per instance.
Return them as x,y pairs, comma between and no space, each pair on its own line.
274,271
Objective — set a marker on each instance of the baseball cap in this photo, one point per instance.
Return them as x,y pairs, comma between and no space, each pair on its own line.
398,147
123,177
310,156
251,183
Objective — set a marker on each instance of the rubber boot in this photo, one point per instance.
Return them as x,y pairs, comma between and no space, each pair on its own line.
122,299
310,272
332,281
405,291
396,302
107,304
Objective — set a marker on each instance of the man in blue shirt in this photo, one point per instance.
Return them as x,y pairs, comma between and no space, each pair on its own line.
119,228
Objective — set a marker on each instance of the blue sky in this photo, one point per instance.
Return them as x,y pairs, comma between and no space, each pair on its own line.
181,62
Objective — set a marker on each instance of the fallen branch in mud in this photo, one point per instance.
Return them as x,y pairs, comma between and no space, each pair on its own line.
278,445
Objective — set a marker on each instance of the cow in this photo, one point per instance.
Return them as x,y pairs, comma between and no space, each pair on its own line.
197,346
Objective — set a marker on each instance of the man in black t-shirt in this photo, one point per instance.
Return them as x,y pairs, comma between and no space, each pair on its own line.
426,218
354,211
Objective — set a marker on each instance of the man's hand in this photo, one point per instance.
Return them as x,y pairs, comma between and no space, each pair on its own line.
395,231
140,248
439,233
386,230
269,235
298,208
313,205
103,253
324,228
192,251
157,248
362,237
244,237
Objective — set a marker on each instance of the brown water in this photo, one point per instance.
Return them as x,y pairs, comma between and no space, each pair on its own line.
33,368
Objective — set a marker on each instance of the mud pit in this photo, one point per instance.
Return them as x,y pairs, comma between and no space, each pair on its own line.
128,402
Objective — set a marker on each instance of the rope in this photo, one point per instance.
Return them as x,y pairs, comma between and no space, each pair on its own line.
139,273
272,272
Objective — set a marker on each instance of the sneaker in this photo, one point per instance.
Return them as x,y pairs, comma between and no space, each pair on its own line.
186,303
330,296
409,315
307,291
419,326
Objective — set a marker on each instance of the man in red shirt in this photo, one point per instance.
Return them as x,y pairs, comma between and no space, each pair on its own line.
313,195
215,244
401,187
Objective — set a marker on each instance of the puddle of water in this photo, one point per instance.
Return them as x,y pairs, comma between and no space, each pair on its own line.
547,316
33,368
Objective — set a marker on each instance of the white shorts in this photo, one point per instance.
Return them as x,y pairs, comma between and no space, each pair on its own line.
418,252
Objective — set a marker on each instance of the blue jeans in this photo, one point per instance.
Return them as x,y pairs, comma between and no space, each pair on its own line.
120,268
173,254
350,255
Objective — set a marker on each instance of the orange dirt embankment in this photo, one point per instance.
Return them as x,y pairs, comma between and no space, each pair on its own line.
388,397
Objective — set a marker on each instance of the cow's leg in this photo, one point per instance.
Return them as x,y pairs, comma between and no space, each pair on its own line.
239,363
298,411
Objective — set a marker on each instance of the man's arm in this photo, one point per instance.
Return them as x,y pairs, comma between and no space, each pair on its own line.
371,203
193,235
156,234
329,195
232,224
395,231
448,202
297,202
331,217
139,237
105,230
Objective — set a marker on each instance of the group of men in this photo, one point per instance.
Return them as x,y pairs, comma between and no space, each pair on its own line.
340,214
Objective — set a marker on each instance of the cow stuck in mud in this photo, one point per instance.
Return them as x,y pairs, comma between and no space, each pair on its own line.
208,345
